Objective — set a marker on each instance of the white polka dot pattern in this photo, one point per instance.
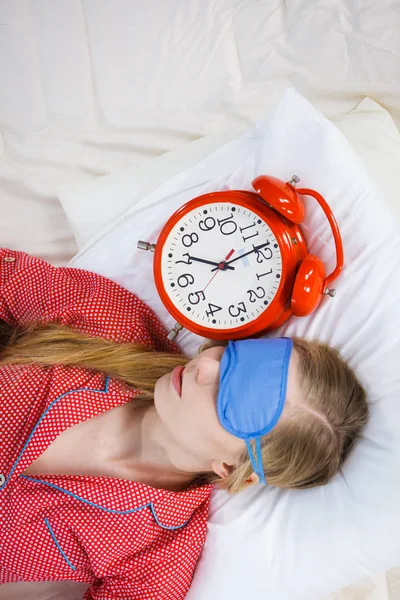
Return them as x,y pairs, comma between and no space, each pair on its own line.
125,539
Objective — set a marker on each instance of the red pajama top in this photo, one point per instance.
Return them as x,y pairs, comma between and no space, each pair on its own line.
127,540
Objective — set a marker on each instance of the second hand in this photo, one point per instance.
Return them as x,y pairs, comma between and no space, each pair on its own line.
227,257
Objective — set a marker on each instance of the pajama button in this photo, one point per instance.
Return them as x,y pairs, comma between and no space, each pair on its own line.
2,479
9,259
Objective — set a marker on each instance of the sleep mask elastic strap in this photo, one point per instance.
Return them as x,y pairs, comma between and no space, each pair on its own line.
258,468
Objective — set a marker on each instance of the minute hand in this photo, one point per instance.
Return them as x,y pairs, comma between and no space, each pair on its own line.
208,262
245,254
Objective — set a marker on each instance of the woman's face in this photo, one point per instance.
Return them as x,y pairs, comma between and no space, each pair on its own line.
192,420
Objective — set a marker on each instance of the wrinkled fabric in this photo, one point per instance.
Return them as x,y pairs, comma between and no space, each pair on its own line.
123,538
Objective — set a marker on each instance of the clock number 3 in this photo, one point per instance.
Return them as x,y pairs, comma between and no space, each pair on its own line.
240,308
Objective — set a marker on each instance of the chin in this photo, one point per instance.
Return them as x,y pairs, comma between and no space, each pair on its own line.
160,390
157,391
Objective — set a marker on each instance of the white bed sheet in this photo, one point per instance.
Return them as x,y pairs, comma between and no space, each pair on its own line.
92,86
89,87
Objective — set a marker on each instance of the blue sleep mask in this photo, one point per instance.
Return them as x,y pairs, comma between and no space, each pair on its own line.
252,390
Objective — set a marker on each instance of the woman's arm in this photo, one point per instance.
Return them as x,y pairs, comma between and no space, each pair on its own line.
33,290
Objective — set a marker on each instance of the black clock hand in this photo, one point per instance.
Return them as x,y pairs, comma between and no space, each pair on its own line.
227,265
209,262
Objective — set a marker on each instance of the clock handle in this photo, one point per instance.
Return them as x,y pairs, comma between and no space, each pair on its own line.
336,235
145,246
174,331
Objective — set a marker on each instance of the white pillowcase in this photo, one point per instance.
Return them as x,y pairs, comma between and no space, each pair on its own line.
266,542
92,205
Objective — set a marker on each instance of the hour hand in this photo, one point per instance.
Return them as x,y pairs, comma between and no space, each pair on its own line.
210,262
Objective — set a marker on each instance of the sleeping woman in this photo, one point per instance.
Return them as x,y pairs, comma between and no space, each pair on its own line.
112,440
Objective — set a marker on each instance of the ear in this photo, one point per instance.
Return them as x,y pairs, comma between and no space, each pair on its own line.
222,469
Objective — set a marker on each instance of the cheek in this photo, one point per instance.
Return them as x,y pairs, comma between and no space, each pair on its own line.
196,426
193,422
201,432
199,422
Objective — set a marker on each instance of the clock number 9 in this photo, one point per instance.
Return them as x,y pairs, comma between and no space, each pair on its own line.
206,227
186,277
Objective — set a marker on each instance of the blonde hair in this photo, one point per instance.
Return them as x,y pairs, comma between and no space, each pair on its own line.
304,450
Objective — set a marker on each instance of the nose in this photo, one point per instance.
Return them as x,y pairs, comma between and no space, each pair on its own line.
207,370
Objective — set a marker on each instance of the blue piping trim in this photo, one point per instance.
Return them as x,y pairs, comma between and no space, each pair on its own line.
58,545
109,510
42,417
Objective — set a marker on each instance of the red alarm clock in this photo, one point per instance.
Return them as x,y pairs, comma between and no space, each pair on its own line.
235,264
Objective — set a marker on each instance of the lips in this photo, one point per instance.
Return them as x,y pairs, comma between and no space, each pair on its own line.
177,379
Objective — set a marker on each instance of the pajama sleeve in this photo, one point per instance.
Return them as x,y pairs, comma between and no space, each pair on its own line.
32,290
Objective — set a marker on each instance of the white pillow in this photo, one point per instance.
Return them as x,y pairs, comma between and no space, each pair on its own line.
265,542
373,134
92,205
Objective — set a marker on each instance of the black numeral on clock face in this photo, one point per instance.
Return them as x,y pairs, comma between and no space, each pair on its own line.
227,226
208,224
240,308
252,234
188,262
212,309
189,238
251,292
262,274
185,280
196,297
261,253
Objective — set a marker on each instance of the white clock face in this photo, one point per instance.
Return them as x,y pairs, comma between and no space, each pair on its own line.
245,270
